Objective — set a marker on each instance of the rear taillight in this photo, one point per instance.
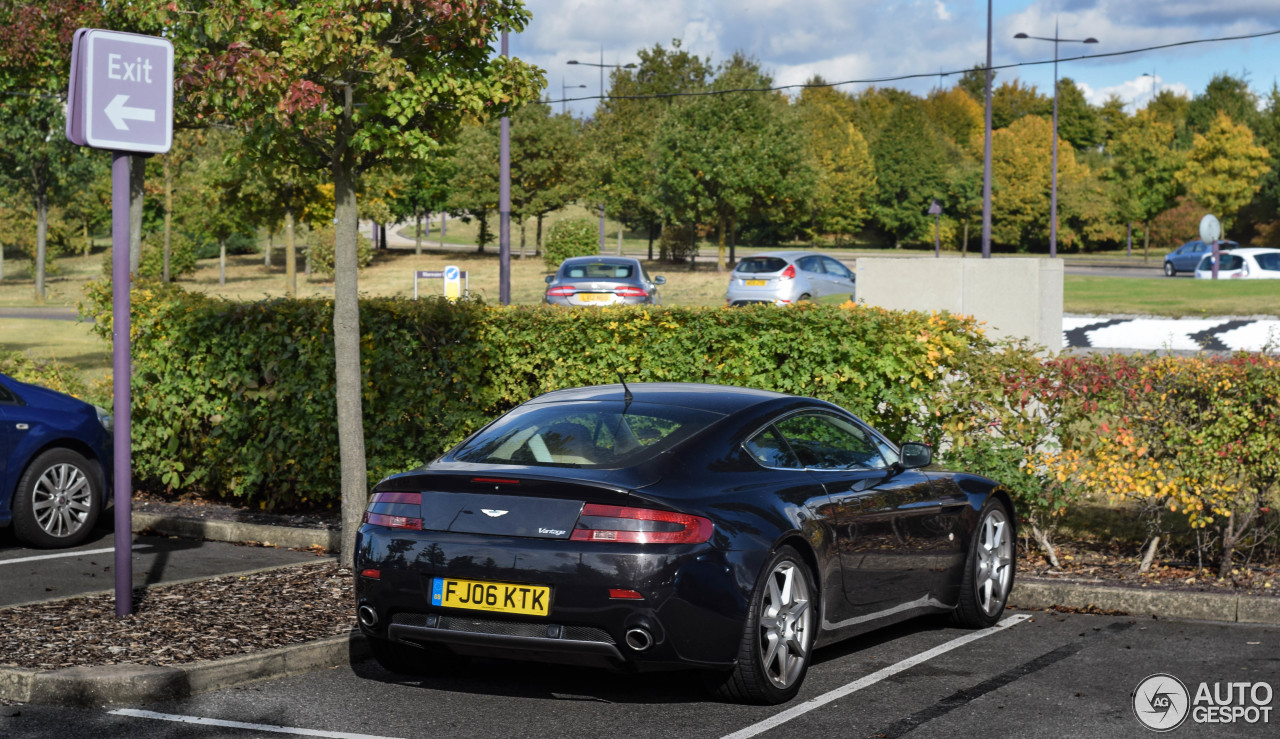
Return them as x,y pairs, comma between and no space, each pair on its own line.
395,510
562,292
629,292
639,526
789,273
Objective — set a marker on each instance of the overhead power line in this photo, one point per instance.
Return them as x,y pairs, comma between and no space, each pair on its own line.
921,75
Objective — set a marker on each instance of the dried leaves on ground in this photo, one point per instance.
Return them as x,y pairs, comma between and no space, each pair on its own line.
172,624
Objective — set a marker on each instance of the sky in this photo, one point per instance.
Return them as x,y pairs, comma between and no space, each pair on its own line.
862,39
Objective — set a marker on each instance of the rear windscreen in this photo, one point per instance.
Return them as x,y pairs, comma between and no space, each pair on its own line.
1226,262
757,265
599,271
583,434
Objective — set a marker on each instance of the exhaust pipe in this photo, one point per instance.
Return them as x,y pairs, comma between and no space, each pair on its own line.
639,639
368,617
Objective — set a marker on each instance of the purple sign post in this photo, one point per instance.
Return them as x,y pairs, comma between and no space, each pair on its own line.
121,99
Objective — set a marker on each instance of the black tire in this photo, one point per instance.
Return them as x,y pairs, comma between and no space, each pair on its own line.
989,570
805,298
58,500
777,642
400,658
1169,271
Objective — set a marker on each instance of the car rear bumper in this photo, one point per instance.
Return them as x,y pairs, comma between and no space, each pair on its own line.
691,612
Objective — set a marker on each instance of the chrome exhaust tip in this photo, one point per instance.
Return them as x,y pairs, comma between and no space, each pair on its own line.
368,617
639,639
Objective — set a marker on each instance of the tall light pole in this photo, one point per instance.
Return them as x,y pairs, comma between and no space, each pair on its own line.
1152,75
564,93
1053,186
986,152
504,203
602,66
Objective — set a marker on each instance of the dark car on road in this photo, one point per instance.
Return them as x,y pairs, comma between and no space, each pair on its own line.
602,281
674,526
55,461
1187,257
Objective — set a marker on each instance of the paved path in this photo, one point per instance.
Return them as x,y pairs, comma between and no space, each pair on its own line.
1215,334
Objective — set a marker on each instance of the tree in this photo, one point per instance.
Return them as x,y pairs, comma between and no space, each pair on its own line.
348,83
1145,166
1223,94
910,162
1020,169
1013,100
958,117
845,183
1224,169
1078,121
546,164
724,157
473,188
1171,109
619,164
1112,119
425,190
974,82
34,152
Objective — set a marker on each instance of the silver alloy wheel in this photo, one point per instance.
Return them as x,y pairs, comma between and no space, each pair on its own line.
995,562
61,500
785,625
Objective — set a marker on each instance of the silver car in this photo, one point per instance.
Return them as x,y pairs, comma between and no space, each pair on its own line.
602,281
788,277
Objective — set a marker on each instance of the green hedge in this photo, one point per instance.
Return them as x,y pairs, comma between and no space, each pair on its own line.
237,399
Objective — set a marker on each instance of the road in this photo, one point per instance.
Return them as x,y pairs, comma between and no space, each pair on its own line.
1050,675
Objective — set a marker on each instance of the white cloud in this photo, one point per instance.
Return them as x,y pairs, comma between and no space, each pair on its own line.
1136,93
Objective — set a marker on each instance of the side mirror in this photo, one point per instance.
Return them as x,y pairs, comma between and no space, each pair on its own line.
659,280
550,279
916,454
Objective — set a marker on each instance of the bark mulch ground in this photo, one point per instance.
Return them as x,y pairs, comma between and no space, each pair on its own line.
172,624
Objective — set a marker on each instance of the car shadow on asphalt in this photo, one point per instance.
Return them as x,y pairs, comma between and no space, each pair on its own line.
519,679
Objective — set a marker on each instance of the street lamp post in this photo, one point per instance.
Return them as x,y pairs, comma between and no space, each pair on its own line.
1053,186
564,93
602,67
986,149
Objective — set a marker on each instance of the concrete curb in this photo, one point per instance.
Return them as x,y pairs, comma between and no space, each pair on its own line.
133,684
1171,604
236,531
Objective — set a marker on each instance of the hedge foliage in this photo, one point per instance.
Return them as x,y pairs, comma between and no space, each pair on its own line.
238,398
571,237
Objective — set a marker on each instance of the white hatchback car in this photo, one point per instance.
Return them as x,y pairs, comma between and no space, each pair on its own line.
788,277
1257,263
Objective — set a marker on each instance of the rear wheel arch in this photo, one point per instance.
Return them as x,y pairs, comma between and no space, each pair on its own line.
806,552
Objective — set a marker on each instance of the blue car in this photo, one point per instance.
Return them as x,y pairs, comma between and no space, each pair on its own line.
55,464
1187,257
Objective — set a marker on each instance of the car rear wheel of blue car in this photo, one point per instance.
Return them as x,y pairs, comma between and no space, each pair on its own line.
57,501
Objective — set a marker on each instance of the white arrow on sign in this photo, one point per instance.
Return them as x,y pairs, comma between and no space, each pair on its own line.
118,113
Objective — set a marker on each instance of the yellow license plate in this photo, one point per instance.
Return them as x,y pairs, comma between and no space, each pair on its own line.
595,297
476,595
755,283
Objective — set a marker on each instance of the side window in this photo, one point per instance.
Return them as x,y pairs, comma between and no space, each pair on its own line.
771,451
826,442
810,264
835,268
6,396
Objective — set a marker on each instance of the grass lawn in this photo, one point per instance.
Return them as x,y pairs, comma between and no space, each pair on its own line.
1170,297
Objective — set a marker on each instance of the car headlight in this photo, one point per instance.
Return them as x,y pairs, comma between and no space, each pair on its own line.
104,417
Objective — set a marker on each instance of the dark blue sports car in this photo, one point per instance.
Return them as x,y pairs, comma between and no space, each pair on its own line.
55,464
674,526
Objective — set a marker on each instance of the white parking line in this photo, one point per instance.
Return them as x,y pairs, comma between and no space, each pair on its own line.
872,679
66,554
135,713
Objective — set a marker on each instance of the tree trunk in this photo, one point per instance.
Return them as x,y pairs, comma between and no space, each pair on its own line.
137,177
88,240
522,225
1042,538
222,261
537,243
271,242
1146,239
964,245
1150,555
290,254
720,252
42,242
168,218
444,219
651,229
346,345
417,236
733,241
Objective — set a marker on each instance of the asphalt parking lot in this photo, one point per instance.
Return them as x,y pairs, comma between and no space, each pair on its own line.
1044,675
29,575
